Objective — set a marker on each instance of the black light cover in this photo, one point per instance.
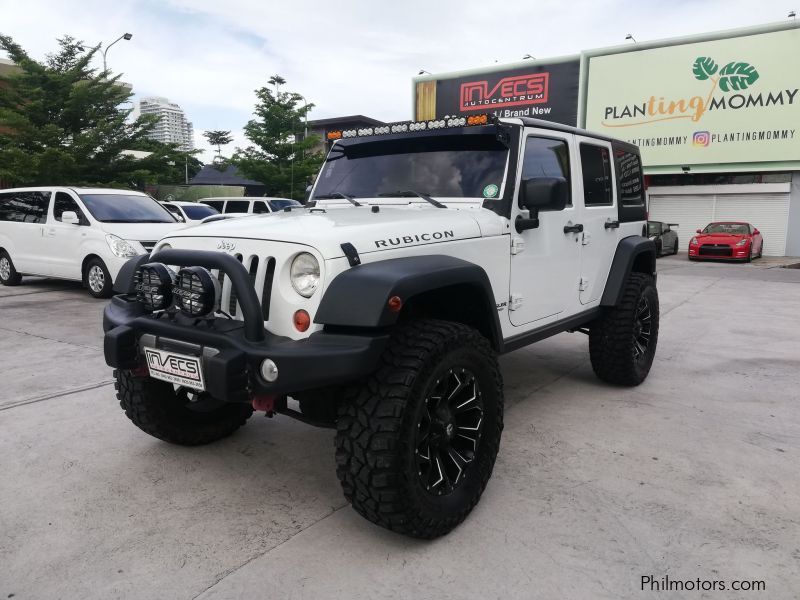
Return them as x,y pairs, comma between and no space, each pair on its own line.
196,292
154,283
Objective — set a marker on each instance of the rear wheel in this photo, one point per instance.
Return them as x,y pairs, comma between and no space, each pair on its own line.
97,279
675,247
157,408
417,441
8,274
622,342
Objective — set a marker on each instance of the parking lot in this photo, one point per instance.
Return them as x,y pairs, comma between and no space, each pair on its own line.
691,475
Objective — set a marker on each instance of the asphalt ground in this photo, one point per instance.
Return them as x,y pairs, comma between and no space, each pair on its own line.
693,475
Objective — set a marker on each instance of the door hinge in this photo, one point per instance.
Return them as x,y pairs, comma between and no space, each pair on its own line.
586,238
515,302
517,245
583,285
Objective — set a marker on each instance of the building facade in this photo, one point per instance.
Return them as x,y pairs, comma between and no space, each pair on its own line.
173,126
716,116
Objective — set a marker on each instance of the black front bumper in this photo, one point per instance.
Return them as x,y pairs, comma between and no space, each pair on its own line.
232,351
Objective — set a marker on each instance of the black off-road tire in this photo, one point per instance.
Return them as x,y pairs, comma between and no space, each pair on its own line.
13,278
377,430
106,289
156,408
613,336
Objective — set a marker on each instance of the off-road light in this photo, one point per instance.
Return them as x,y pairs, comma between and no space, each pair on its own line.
382,130
304,274
334,135
269,370
196,292
154,283
477,120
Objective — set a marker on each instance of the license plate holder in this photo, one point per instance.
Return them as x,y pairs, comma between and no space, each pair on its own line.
176,368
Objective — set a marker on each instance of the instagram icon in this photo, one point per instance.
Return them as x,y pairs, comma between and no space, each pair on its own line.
701,138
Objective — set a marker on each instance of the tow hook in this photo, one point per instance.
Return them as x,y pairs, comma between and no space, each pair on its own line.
269,404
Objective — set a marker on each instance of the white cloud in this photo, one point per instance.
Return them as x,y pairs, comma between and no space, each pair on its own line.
349,57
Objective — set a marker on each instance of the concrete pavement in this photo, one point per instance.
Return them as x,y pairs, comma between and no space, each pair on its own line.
692,475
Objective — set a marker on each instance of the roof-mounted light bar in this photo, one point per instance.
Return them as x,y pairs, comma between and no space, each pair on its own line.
409,126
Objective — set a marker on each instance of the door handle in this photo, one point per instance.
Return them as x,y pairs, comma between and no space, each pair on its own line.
612,224
578,228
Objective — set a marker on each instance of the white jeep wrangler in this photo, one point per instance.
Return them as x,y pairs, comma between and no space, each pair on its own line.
431,248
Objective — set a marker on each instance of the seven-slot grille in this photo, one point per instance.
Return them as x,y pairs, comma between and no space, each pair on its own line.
262,272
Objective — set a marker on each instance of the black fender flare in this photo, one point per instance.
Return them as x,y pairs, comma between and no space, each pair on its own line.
633,250
358,297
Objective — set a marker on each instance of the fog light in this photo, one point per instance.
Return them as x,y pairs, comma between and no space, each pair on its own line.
302,320
154,283
196,292
269,370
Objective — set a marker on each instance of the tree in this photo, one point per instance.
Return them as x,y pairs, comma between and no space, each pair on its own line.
64,123
277,158
218,138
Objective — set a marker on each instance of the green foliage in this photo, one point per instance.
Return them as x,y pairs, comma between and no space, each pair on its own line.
218,138
276,158
737,76
704,67
64,123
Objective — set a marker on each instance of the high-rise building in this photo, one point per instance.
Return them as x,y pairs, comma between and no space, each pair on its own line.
172,128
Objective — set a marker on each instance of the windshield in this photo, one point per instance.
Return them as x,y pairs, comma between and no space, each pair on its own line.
458,166
654,229
735,228
281,203
126,208
199,211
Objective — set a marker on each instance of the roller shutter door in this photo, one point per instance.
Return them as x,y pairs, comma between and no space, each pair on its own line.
768,212
689,212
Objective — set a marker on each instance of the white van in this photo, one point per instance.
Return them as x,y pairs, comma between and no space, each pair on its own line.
84,234
189,212
246,204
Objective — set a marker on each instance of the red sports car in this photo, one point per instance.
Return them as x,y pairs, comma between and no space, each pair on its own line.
727,240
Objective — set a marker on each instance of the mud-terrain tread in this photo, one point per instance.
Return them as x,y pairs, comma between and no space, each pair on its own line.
610,336
143,400
374,428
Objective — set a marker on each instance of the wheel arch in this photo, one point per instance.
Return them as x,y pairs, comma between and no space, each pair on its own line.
430,286
635,254
86,260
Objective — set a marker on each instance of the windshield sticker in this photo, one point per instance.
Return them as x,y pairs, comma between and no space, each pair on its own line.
490,191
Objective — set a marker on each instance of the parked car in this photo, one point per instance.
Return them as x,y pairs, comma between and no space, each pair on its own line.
246,204
664,237
83,234
727,240
225,216
189,212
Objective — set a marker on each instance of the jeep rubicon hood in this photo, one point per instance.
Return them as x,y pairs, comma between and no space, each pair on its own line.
368,231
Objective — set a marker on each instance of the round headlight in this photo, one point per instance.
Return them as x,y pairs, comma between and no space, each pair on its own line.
305,274
154,286
196,292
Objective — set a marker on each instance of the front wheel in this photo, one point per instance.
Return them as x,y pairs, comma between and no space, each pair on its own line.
176,416
416,442
97,279
8,274
622,342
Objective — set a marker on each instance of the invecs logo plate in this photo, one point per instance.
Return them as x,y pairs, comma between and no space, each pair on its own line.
519,90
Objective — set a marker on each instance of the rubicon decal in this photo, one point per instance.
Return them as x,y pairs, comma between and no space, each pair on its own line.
417,238
733,80
510,91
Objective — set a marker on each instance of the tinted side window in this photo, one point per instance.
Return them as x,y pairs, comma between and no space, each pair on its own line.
65,202
596,165
545,157
630,184
260,207
25,207
216,204
237,206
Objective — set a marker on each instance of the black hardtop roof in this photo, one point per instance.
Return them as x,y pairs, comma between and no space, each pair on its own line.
542,124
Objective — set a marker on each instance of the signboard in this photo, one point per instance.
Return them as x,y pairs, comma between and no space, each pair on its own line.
731,100
542,91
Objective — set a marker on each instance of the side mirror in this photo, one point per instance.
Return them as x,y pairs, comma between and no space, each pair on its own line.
698,231
70,217
756,232
539,193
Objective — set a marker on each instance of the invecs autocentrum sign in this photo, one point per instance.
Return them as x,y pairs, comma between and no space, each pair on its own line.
509,91
729,100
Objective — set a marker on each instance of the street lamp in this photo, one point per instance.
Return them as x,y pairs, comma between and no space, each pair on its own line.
124,36
630,37
424,72
527,56
792,15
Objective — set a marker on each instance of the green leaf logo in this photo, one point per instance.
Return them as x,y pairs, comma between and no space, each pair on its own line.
704,67
737,76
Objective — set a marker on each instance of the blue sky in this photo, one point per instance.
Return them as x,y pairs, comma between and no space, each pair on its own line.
347,57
